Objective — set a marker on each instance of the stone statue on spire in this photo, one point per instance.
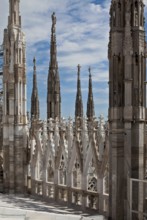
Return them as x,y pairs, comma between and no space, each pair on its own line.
34,62
53,22
79,68
53,18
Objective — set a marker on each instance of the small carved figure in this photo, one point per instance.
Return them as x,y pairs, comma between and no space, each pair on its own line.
53,18
114,16
119,8
136,13
141,15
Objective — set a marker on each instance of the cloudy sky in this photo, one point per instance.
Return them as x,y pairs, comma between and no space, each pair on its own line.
82,38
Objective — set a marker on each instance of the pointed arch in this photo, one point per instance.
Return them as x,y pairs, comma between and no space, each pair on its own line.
75,165
92,155
76,174
62,171
76,153
62,162
36,156
49,160
50,171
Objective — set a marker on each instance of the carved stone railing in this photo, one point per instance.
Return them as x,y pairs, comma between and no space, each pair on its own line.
62,193
37,187
76,196
92,200
49,190
46,190
86,200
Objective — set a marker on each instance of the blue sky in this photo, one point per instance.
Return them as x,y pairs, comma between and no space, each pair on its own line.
82,38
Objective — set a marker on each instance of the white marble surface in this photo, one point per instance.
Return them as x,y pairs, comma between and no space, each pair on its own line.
20,208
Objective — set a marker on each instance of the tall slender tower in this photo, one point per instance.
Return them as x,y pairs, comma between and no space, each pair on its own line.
34,98
53,92
127,76
90,102
79,103
14,107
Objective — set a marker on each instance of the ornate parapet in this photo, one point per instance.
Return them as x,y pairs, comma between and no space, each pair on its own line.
65,162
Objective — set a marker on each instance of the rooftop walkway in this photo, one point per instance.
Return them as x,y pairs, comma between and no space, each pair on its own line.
14,207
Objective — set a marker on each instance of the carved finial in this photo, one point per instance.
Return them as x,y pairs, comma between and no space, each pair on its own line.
53,18
34,61
79,68
89,71
50,124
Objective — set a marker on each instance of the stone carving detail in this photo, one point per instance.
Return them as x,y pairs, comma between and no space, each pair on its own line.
136,13
128,4
76,175
141,14
106,181
39,167
62,171
114,14
92,177
92,200
119,13
56,136
50,171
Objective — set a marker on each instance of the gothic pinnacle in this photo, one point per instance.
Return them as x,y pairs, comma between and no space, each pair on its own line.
34,98
90,102
79,103
53,92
